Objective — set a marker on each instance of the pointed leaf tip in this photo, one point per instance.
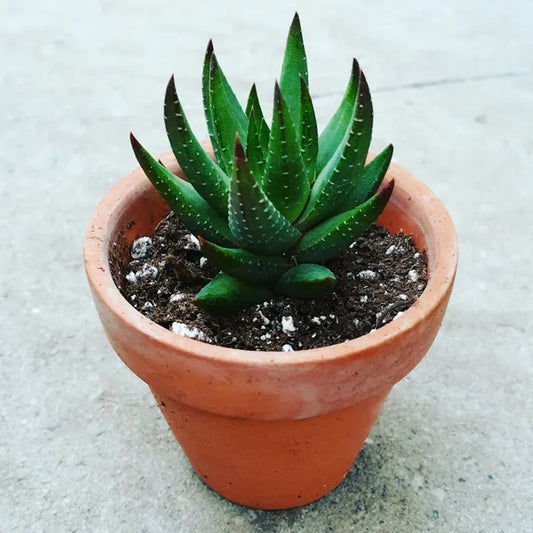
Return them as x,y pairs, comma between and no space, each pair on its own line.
239,150
386,192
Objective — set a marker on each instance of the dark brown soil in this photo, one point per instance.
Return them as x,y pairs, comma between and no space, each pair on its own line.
379,277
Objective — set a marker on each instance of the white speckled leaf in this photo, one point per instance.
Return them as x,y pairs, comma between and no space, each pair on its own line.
200,170
195,213
254,221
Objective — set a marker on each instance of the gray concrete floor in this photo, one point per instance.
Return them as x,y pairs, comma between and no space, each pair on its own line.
83,446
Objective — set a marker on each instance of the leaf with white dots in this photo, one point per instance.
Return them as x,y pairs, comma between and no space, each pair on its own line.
200,170
340,176
335,234
226,294
305,281
244,265
294,66
369,180
284,180
335,130
308,133
195,213
227,116
254,221
258,134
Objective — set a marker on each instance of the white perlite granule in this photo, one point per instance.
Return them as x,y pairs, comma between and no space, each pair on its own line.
287,348
131,277
412,275
193,243
390,249
287,324
367,274
178,297
203,262
403,297
398,315
148,271
141,247
363,299
193,333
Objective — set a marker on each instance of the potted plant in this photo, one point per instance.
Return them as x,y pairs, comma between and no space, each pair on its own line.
270,429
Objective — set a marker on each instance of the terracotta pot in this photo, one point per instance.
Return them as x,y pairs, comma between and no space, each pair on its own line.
270,430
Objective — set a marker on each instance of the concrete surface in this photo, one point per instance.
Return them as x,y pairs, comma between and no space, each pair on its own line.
82,445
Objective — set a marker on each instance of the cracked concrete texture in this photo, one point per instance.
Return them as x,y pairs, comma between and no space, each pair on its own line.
82,446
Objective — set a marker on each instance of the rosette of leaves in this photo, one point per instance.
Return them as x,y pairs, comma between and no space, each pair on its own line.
276,201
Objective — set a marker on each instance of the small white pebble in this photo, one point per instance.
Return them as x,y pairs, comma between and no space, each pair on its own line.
193,333
131,277
396,279
147,305
287,324
132,297
148,271
403,297
398,315
363,299
141,247
412,275
161,264
417,255
313,335
287,348
322,317
193,243
264,318
390,249
332,316
356,321
203,262
178,297
316,320
367,274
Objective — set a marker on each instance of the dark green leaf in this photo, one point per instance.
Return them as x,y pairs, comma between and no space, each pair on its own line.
305,281
294,66
226,294
308,134
227,116
253,219
335,234
332,136
206,96
195,213
200,170
284,180
339,177
369,180
244,265
258,134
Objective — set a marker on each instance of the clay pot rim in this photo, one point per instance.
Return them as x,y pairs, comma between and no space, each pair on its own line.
440,278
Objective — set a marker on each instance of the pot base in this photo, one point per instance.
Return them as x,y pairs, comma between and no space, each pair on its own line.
268,464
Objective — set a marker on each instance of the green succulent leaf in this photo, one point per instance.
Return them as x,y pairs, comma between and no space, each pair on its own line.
339,178
195,213
369,180
308,133
225,116
254,221
226,294
244,265
335,234
334,133
201,171
284,180
206,97
294,66
305,281
258,135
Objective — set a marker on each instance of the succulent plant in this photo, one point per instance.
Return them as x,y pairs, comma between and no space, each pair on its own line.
276,202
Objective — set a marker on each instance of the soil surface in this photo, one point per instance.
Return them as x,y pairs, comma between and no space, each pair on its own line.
378,278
